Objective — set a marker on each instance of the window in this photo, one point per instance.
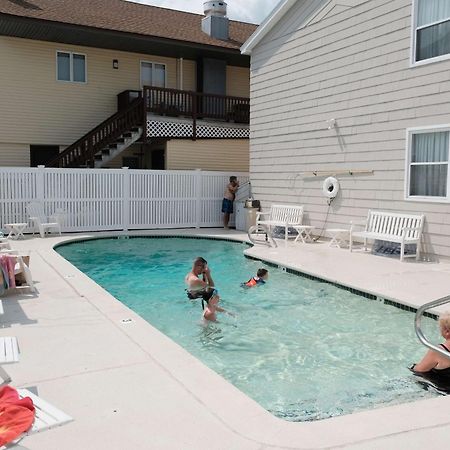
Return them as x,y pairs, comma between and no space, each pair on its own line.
432,29
153,74
71,67
42,154
428,160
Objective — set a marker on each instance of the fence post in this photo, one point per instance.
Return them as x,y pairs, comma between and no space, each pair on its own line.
198,197
40,184
125,199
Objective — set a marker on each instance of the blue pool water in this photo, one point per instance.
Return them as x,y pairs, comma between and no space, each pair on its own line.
303,349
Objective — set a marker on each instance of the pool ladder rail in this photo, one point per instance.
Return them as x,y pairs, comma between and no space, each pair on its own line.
261,235
418,329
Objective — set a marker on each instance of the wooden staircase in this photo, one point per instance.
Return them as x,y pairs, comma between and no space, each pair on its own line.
106,140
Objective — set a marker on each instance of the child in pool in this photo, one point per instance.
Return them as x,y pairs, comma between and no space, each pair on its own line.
211,298
261,277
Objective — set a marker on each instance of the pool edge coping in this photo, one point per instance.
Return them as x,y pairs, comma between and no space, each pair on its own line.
258,422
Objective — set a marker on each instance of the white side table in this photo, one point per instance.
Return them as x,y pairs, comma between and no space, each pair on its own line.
339,237
304,233
15,230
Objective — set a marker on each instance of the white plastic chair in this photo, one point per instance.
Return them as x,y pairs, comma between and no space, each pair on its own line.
9,353
40,221
20,267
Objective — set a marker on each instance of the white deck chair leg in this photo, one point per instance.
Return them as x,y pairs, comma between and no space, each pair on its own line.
4,376
402,251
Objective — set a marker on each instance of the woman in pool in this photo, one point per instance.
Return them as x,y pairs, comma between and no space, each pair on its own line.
211,299
434,366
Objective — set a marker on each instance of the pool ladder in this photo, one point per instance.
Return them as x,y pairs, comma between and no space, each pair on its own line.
418,318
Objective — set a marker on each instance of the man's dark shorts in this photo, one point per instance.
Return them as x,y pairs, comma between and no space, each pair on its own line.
227,206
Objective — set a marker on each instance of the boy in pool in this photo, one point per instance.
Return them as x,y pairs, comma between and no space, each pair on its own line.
211,298
261,277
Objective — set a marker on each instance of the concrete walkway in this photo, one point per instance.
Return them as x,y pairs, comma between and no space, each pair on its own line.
127,386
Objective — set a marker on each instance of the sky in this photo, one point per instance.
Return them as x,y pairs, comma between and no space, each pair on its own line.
253,11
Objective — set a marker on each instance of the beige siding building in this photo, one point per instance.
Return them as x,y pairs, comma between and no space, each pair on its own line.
359,89
45,109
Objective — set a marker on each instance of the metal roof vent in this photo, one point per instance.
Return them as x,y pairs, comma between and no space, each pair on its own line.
216,23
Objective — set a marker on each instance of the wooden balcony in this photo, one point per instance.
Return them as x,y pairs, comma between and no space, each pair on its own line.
196,105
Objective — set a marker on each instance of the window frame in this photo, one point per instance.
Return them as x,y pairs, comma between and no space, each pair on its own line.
413,62
153,68
71,67
409,134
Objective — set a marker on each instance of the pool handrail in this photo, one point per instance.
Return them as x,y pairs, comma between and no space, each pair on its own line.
418,330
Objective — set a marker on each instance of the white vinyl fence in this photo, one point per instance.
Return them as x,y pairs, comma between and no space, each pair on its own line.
115,199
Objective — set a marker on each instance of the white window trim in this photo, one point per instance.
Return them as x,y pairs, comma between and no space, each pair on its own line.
409,134
71,67
413,62
153,65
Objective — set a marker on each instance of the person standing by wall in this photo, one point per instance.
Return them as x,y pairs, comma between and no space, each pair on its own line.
228,199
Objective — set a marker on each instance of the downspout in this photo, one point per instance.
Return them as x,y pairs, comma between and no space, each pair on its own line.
180,66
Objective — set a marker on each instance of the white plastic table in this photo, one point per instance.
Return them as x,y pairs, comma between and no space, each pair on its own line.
15,230
304,233
339,237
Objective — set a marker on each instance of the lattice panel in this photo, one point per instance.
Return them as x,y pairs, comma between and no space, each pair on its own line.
222,132
157,128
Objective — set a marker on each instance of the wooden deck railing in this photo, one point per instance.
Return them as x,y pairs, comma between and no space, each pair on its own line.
196,105
83,151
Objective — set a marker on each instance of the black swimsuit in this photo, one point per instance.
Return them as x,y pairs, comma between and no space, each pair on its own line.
438,378
192,295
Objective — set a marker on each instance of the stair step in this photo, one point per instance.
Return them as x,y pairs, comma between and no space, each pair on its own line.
98,157
135,130
120,140
113,146
105,151
128,134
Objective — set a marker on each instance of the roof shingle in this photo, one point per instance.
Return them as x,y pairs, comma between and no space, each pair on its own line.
124,16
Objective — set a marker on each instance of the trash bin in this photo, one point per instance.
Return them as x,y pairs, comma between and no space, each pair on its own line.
239,216
250,217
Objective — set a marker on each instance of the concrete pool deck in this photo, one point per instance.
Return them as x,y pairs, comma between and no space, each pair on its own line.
128,386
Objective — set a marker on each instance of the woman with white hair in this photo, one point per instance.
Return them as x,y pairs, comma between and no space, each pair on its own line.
434,366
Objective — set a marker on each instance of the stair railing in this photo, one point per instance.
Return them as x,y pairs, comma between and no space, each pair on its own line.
418,329
83,151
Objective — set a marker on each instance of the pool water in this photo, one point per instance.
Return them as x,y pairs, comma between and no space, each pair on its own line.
303,349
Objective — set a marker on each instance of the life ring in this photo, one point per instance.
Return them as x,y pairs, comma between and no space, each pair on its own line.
330,187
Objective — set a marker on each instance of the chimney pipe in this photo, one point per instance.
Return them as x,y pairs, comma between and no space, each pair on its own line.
215,23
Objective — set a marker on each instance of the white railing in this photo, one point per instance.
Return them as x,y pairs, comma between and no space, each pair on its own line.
116,199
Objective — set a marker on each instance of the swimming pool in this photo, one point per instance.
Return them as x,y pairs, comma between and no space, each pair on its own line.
303,349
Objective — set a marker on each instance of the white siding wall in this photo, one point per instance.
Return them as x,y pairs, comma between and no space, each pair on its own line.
354,66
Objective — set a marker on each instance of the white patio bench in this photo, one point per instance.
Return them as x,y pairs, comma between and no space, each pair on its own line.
392,227
281,216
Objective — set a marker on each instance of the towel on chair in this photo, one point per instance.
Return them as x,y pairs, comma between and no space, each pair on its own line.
8,263
16,414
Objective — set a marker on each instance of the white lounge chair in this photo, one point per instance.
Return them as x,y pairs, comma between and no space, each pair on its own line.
20,267
40,221
9,353
47,416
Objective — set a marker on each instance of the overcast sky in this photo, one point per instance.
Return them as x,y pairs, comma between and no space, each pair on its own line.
254,11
